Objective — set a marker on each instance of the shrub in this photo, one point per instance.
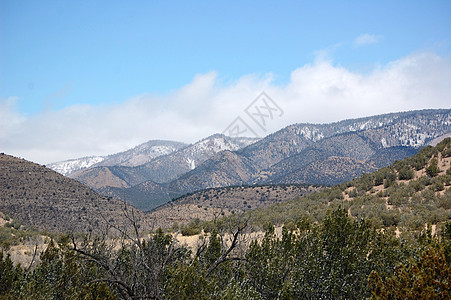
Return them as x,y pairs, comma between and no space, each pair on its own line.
405,173
193,228
433,169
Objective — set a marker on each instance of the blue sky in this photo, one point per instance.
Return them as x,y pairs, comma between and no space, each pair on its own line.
56,56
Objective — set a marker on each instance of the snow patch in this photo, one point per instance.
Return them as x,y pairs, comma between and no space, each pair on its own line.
191,163
69,166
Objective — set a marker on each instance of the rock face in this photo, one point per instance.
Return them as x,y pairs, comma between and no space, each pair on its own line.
300,153
44,199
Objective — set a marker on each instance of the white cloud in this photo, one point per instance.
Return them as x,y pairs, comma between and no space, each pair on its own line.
318,92
366,39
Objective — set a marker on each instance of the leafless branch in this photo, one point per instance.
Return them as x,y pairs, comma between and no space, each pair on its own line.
224,257
35,252
124,289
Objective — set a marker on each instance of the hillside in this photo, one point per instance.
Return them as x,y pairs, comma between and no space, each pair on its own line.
44,199
406,195
217,202
302,153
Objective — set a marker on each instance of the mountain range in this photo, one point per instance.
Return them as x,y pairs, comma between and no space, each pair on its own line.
407,194
133,157
163,168
41,198
324,154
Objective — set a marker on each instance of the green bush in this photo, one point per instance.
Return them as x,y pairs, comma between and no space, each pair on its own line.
432,170
405,173
193,228
14,224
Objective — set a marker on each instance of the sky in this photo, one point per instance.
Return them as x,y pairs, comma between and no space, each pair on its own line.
81,78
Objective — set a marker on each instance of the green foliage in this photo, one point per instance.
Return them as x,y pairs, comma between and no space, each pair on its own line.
405,173
9,236
378,178
432,170
331,260
9,275
56,277
213,250
429,278
337,258
14,224
97,291
329,248
353,193
390,178
193,228
420,160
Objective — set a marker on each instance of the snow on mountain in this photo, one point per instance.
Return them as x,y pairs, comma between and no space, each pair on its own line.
414,129
68,166
191,155
139,155
197,153
142,154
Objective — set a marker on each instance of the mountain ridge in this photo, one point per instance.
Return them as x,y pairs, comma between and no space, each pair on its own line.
166,167
365,144
132,157
386,135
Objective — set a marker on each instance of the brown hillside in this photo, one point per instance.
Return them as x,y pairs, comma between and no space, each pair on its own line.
215,202
100,177
44,199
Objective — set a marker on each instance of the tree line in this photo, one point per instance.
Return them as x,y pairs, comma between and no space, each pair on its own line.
339,258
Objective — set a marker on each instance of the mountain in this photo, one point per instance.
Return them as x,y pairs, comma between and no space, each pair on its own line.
163,168
334,160
406,195
314,153
361,140
42,198
139,155
72,165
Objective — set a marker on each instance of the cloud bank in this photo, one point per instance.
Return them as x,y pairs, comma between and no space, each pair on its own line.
316,93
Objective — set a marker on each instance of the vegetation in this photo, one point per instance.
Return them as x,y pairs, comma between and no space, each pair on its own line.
393,196
339,258
10,236
369,238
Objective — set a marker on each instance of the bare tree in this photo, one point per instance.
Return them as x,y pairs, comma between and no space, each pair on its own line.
131,263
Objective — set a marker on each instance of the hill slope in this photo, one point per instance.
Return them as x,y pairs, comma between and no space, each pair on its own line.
45,199
407,195
216,202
